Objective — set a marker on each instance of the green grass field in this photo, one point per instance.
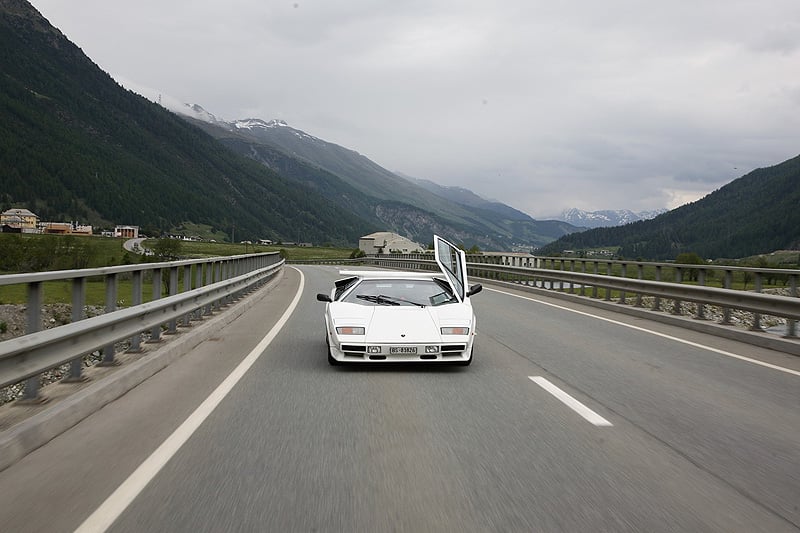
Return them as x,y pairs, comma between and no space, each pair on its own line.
191,250
65,252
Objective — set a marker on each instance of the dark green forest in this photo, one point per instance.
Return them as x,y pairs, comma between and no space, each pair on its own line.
757,213
74,145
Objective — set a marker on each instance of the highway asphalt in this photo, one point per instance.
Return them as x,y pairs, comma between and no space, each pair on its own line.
569,419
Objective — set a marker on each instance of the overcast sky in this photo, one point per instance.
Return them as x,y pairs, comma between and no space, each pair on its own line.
619,104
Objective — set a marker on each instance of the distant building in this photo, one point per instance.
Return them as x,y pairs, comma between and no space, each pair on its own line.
385,242
64,228
20,220
127,232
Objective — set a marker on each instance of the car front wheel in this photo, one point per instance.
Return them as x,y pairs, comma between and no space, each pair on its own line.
331,360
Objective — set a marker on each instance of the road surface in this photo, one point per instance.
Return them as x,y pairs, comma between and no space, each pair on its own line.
569,419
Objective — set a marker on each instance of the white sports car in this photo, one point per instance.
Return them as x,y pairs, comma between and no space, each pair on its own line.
375,316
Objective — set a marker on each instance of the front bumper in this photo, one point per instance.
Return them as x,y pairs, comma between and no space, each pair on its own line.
442,352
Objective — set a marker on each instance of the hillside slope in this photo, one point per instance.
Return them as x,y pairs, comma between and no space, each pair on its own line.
754,214
74,145
410,207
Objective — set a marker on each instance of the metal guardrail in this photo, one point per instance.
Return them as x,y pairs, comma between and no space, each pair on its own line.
615,283
208,284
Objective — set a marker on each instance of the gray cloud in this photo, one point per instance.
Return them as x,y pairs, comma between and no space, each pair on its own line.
541,105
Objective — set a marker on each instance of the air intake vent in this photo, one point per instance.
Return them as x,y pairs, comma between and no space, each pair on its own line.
454,348
351,348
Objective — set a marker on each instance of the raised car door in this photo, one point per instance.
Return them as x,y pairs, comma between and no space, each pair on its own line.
453,264
342,285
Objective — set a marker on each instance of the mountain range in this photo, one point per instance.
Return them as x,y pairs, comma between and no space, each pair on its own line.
412,207
75,145
605,218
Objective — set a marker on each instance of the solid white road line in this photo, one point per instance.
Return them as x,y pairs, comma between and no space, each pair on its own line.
112,508
656,333
571,402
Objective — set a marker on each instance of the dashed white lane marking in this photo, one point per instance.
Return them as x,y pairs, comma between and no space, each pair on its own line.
570,402
656,333
120,499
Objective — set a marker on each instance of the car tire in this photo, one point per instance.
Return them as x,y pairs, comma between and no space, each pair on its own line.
331,360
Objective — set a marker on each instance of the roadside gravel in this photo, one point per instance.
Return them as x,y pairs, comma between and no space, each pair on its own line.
13,319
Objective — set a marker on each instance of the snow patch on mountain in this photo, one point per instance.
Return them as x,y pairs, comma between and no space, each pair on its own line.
257,123
606,218
197,112
252,125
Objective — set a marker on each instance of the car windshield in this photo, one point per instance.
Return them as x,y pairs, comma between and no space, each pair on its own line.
401,292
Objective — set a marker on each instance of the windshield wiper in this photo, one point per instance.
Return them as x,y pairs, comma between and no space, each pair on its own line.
381,299
377,298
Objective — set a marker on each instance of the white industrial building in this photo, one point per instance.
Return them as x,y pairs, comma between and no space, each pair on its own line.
385,242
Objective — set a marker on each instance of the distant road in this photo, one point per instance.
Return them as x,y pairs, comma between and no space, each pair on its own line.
569,419
134,245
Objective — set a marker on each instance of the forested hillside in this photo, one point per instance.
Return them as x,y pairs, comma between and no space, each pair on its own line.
74,145
396,203
757,213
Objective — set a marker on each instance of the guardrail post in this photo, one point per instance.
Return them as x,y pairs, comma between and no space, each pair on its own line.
639,275
136,299
571,269
198,282
111,306
596,271
676,308
757,316
78,301
609,272
583,285
657,299
624,274
209,281
224,273
726,311
237,268
701,280
791,324
34,323
187,286
216,275
155,332
172,329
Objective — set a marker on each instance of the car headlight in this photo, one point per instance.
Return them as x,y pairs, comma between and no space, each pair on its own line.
350,330
455,331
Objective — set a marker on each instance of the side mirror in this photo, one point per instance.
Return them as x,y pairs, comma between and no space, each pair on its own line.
323,298
475,289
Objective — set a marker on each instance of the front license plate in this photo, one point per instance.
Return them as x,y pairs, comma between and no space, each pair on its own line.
402,349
